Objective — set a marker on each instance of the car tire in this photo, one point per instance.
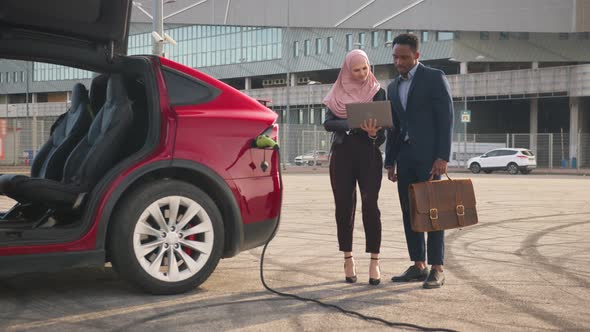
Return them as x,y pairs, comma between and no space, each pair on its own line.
298,163
512,168
150,251
487,171
310,163
475,168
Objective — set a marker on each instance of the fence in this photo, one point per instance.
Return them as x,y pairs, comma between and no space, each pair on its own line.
551,150
21,137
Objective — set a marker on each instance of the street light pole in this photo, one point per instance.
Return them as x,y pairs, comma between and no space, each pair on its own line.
27,84
285,146
465,123
158,27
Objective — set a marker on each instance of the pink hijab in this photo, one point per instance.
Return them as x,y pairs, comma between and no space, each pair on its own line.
349,90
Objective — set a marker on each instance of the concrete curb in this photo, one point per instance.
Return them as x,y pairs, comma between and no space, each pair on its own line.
538,171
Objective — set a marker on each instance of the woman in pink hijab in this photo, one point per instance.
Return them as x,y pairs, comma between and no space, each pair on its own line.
356,158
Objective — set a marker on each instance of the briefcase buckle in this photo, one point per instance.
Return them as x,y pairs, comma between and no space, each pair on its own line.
460,210
434,214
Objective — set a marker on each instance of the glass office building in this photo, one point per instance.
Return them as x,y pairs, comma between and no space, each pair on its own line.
197,46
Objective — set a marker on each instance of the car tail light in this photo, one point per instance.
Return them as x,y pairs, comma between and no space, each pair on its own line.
523,157
275,132
272,132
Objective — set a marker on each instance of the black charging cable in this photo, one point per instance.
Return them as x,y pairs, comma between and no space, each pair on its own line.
328,305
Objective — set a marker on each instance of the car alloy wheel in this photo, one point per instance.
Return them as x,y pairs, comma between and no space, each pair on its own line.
513,168
168,243
166,236
475,168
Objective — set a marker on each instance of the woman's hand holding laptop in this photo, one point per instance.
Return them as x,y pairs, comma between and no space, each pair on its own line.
370,126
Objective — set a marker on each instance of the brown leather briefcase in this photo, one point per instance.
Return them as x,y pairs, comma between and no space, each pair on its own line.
442,204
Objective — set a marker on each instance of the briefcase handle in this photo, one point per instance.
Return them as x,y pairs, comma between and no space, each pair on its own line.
432,177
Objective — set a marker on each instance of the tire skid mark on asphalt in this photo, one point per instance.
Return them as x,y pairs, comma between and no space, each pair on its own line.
98,315
519,254
531,269
166,315
501,295
530,250
21,305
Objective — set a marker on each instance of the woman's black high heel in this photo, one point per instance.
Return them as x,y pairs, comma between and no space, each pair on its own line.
372,281
350,280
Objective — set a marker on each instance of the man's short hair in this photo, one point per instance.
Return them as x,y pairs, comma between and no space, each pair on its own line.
407,39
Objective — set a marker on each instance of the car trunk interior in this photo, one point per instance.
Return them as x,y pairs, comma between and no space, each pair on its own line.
30,223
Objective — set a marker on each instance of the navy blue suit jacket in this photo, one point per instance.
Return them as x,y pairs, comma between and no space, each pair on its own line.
428,117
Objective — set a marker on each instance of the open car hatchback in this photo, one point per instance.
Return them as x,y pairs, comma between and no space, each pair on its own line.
152,167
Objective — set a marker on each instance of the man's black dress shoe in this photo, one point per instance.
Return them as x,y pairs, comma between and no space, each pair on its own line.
435,280
412,274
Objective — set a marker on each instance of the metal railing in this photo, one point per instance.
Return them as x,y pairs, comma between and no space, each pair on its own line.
567,80
551,150
528,83
33,110
20,138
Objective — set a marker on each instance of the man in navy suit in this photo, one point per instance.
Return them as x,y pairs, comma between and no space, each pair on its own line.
417,147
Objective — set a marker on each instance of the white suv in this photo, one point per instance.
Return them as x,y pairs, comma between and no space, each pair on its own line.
511,160
313,158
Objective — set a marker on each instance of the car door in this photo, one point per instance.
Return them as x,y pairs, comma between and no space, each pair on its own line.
490,159
508,156
70,32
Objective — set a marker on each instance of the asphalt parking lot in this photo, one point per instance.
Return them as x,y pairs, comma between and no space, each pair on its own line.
525,267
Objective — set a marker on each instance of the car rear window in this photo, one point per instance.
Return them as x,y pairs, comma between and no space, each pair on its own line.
528,153
186,90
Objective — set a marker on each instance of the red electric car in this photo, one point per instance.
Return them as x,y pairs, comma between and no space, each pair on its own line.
152,168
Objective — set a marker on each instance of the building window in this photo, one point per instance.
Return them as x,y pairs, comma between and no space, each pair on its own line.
375,39
504,35
445,35
424,37
349,42
522,36
484,35
330,45
388,36
307,47
564,36
300,116
23,76
312,116
318,46
362,37
295,48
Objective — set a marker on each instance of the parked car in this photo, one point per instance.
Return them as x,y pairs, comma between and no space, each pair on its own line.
511,160
154,171
313,158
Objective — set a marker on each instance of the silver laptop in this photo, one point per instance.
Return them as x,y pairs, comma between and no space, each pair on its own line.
359,112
